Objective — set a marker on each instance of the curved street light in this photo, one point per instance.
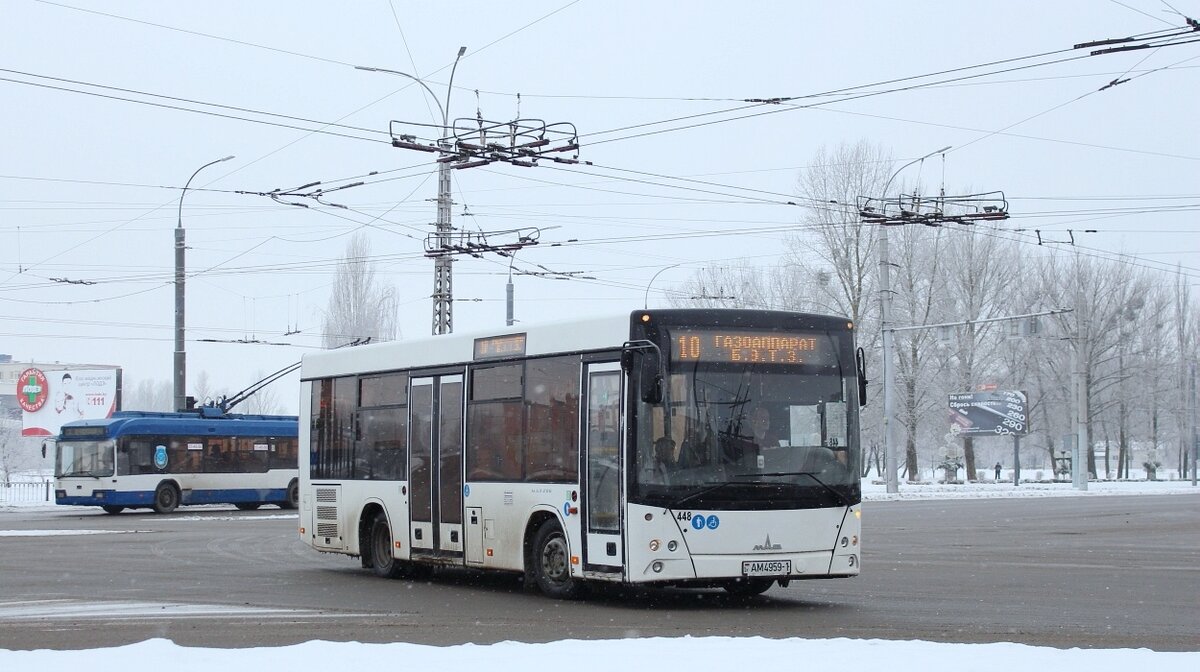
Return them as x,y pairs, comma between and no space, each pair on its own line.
180,377
646,299
443,295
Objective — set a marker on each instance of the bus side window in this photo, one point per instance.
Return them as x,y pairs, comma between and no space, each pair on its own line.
123,457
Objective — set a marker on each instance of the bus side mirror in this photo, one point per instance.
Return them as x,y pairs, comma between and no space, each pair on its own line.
860,362
650,380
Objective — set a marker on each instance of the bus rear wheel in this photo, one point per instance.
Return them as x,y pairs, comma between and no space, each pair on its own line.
552,563
166,498
247,506
112,508
383,563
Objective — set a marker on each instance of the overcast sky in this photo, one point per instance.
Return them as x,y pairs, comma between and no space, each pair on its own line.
90,181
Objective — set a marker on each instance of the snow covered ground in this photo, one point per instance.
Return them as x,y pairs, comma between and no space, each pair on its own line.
637,654
632,655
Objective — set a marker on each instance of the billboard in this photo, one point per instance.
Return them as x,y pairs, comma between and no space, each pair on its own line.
48,399
994,412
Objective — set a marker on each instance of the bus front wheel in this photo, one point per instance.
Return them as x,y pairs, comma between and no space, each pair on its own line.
166,498
112,508
383,562
552,563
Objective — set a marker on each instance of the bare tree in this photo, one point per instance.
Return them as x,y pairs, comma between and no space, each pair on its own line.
12,453
359,306
979,265
919,288
833,243
265,401
205,392
735,285
148,395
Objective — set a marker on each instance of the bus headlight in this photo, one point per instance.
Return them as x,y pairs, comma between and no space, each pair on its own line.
657,566
672,545
653,545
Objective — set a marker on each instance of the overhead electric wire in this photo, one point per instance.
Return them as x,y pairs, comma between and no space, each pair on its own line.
788,105
180,108
195,33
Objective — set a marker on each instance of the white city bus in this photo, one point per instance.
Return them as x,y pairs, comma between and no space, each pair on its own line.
707,448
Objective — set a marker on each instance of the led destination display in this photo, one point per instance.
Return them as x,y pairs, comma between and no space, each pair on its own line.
752,347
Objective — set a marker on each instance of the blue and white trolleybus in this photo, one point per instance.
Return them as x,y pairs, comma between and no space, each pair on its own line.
137,459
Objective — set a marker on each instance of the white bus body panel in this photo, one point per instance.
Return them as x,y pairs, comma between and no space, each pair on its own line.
509,507
810,539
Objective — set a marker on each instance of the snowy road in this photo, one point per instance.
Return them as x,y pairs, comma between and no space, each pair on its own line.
1108,572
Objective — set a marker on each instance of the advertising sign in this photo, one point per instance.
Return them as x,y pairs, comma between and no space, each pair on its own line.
995,413
48,399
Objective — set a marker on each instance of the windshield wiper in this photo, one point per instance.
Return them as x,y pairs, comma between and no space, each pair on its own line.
79,473
839,496
713,487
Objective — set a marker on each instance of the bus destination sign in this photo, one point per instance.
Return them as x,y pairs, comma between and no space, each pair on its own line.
497,347
728,346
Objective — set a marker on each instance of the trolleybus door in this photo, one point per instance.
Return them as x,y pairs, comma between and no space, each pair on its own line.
601,438
435,464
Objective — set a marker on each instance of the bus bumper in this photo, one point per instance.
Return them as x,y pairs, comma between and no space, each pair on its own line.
105,498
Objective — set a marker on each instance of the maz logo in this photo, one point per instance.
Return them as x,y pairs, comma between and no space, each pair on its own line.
767,546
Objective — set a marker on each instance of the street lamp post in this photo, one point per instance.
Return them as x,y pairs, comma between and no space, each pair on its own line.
889,373
646,302
443,276
180,378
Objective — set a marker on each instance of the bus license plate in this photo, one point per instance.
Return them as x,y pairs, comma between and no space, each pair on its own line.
766,567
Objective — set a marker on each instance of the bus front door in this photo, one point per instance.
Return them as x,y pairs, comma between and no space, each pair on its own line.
602,447
435,465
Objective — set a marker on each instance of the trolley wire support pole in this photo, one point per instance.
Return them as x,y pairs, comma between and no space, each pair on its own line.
471,143
443,272
885,306
886,212
180,358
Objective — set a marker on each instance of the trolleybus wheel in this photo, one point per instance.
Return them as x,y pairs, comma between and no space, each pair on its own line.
166,498
247,506
748,587
552,563
293,496
382,561
112,508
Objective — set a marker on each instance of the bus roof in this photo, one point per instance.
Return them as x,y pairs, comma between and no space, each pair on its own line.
582,335
148,422
597,333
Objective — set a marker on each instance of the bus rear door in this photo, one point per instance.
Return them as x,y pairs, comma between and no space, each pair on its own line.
435,465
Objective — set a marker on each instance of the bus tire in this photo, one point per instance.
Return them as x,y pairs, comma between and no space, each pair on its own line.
552,563
166,497
293,496
748,587
383,563
247,506
112,508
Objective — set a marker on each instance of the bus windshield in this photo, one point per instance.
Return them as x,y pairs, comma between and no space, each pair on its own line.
84,458
749,437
